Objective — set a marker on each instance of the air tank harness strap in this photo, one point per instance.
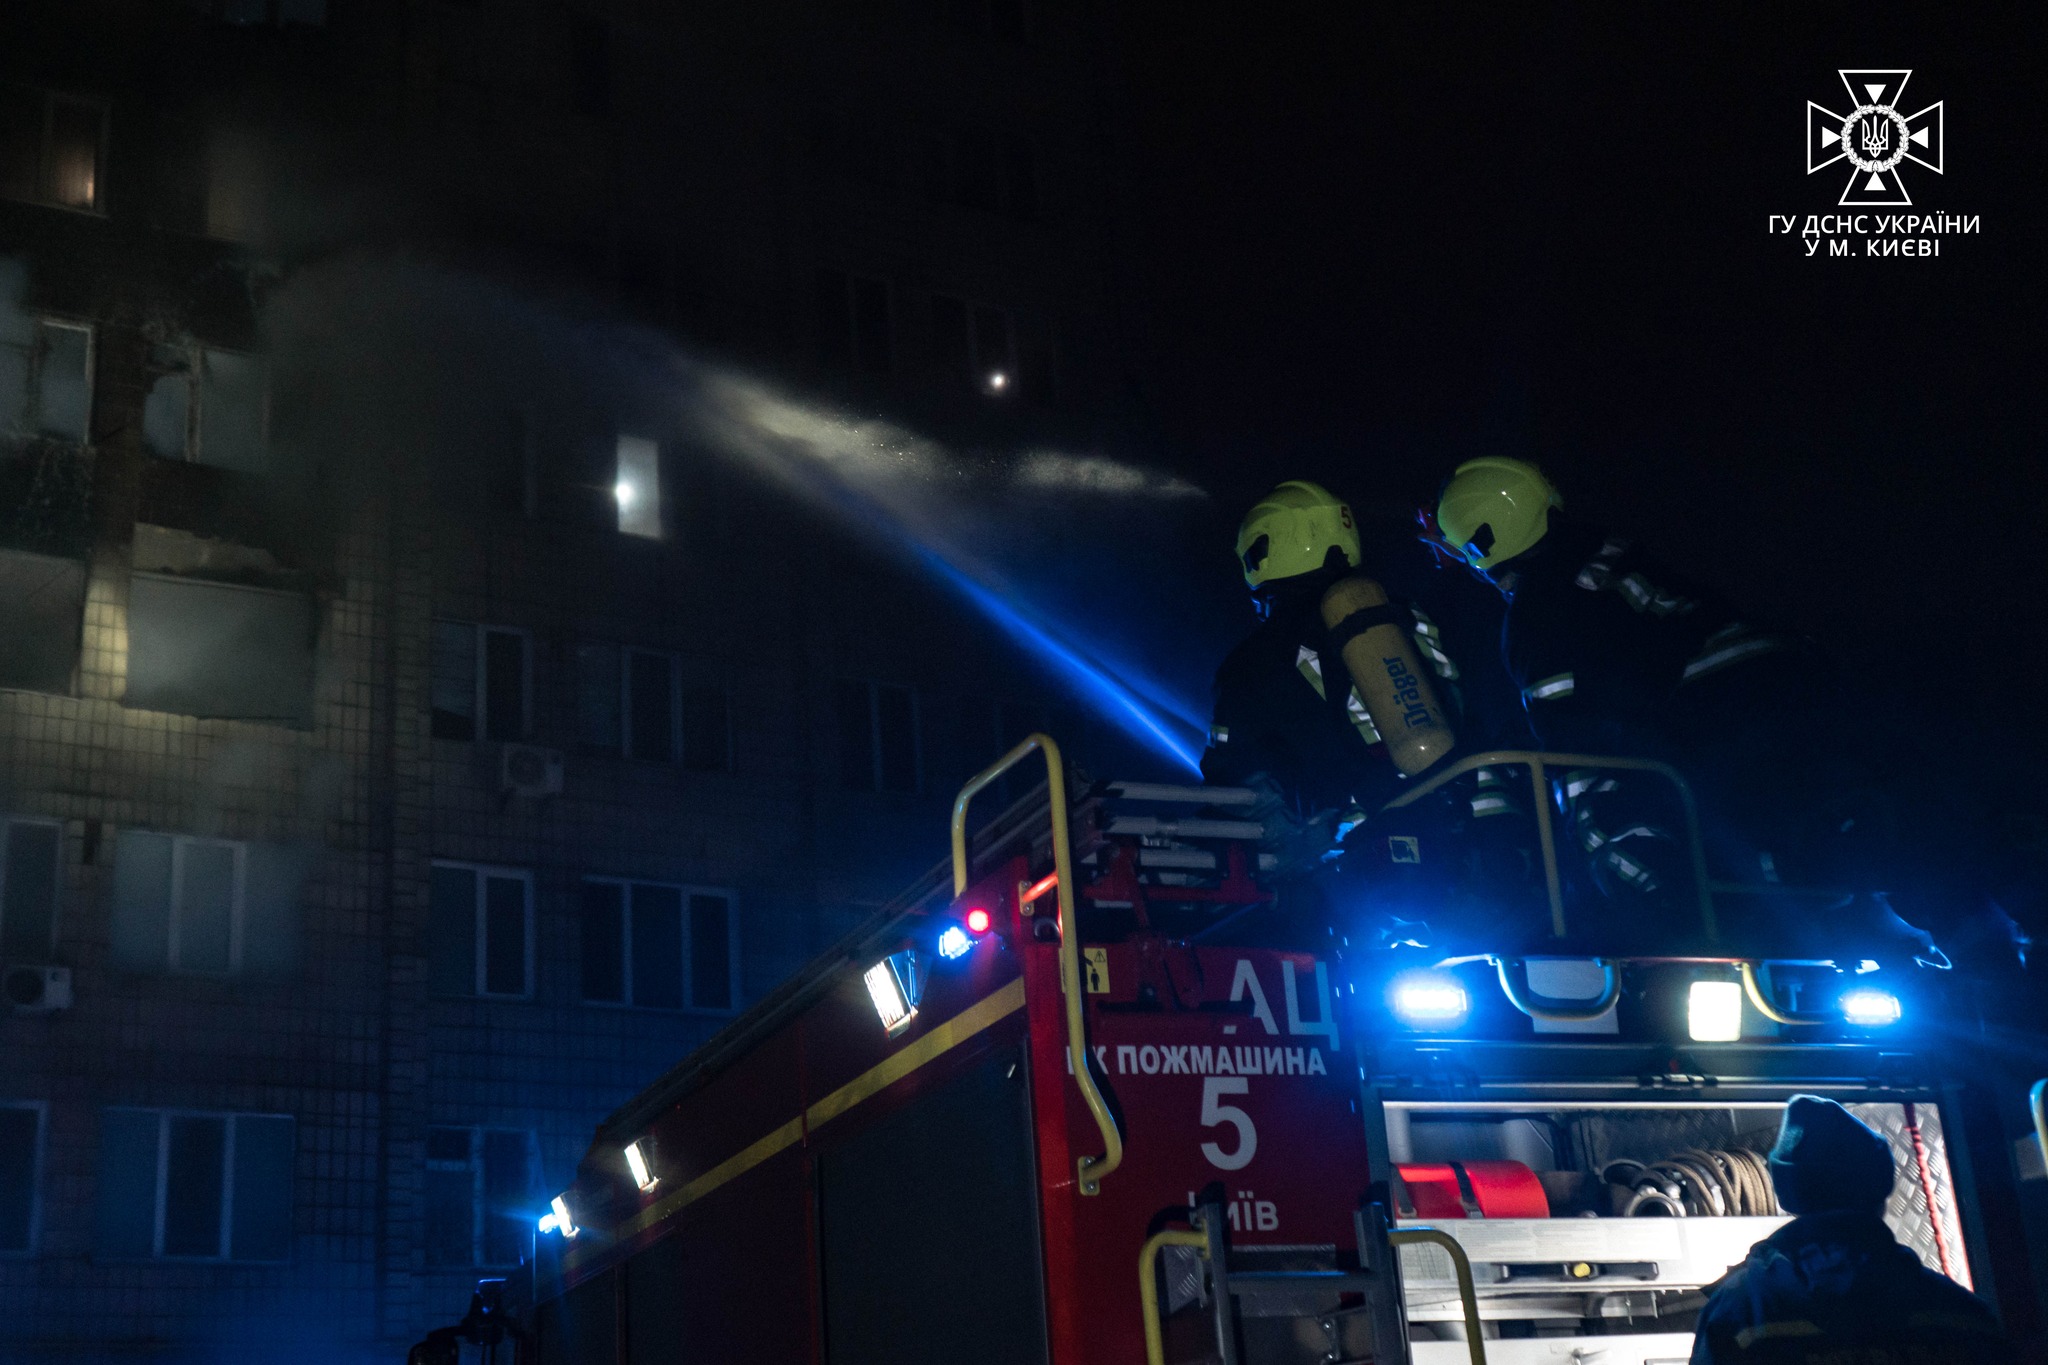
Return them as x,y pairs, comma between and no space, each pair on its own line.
1364,619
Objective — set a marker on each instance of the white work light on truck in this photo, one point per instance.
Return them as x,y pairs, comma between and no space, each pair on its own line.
1713,1011
636,1162
894,984
558,1220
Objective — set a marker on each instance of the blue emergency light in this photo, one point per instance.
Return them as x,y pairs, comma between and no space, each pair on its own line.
1429,999
1869,1007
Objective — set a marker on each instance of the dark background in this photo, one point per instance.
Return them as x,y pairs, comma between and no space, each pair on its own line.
1377,240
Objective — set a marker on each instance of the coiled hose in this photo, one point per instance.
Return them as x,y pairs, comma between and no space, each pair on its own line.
1697,1183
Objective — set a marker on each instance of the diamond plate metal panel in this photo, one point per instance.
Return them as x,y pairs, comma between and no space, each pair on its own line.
1934,1234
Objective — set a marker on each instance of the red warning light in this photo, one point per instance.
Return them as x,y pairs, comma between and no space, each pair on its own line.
978,921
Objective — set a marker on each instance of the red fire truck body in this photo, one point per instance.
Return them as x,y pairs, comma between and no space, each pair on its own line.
893,1157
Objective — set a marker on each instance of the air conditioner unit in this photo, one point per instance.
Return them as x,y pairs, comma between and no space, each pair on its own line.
528,770
36,990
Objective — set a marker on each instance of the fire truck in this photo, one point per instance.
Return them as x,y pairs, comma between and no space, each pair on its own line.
1091,1095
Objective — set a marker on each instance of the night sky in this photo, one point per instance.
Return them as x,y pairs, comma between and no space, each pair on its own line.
1376,240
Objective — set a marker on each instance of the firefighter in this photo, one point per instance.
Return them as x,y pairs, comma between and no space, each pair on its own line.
1313,750
1614,654
1832,1286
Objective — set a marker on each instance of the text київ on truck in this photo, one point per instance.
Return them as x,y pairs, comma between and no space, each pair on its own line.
1086,1101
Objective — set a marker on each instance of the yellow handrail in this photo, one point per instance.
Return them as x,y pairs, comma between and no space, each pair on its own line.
1468,1297
1581,1013
1535,762
1754,989
1088,1170
2037,1100
1148,1290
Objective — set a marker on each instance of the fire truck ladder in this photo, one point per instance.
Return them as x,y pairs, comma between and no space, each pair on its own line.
1377,1280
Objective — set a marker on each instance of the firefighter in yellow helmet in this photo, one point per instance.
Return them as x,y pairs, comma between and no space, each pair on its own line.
1615,654
1287,716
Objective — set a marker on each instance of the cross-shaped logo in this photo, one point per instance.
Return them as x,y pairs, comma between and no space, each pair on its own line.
1875,137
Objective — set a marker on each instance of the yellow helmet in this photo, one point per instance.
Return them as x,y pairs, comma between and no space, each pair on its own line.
1495,508
1292,530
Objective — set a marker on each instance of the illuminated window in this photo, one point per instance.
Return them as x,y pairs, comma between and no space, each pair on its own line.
21,1156
46,377
480,931
195,1186
207,406
52,148
853,323
636,487
658,946
483,682
878,749
481,1187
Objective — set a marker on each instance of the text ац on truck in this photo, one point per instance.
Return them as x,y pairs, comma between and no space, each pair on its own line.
1113,1088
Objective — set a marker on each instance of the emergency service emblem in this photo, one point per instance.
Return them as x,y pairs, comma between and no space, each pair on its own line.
1874,138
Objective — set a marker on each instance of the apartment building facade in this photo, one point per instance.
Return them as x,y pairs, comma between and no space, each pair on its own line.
419,728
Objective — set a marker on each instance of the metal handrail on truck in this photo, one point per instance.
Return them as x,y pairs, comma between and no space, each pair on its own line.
1088,1170
1379,1273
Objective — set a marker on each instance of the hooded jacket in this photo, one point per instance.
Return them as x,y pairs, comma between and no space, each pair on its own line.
1834,1288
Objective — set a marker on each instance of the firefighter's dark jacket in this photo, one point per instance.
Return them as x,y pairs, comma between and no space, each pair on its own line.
1599,640
1834,1289
1271,719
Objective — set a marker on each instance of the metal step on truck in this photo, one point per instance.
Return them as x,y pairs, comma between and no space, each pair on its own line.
1078,1099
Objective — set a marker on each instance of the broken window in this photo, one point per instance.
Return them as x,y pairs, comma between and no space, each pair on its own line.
208,406
482,686
480,1185
237,186
214,907
42,601
52,148
202,648
195,1186
46,376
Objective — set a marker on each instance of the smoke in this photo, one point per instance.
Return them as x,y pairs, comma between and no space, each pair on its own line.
1070,554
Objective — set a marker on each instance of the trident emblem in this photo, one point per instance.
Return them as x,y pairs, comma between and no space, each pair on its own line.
1875,136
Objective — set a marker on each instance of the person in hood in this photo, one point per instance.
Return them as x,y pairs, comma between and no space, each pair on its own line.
1832,1287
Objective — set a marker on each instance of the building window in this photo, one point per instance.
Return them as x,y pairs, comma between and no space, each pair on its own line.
205,906
877,737
207,406
656,946
197,647
853,323
268,12
483,682
21,1162
29,878
990,172
480,932
991,351
481,1183
195,1186
46,377
637,702
636,487
52,148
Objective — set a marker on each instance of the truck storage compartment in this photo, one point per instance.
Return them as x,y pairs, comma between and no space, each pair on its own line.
1649,1202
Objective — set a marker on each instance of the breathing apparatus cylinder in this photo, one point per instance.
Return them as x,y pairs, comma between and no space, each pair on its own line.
1371,634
